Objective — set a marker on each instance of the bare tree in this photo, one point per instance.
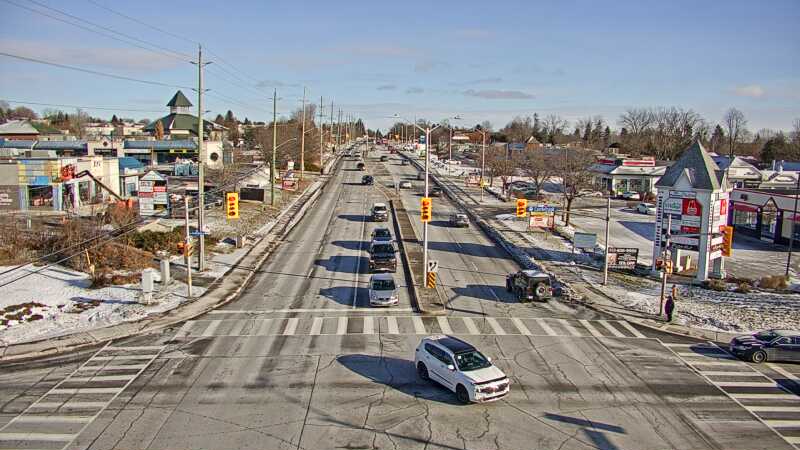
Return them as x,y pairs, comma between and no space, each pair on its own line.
499,164
539,166
572,165
553,125
736,125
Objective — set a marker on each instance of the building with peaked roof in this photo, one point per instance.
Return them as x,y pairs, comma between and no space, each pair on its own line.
616,175
19,129
179,123
741,172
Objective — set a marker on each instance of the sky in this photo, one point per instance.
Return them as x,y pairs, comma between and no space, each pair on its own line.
433,60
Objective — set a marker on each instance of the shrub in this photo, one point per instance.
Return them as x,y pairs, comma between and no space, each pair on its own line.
716,285
775,282
743,288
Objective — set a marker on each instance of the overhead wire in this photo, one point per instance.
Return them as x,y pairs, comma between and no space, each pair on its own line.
61,105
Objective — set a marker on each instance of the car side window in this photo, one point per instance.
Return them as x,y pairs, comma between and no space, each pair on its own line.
796,340
432,350
782,341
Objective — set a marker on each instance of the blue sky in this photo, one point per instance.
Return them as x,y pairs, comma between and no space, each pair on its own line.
482,61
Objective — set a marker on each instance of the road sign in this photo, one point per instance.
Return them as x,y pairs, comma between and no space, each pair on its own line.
585,240
197,233
433,266
430,280
541,210
232,205
425,209
522,206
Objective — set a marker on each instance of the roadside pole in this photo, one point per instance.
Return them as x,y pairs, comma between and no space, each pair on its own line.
186,246
201,179
303,138
483,162
425,224
664,264
321,160
605,260
791,235
274,146
450,150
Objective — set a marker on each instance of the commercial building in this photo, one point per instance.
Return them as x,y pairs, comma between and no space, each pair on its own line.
619,174
768,215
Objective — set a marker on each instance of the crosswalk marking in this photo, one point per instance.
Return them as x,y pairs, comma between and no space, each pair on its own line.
211,329
444,325
547,329
630,328
120,357
52,419
104,378
586,324
719,362
341,327
69,405
610,328
238,327
745,383
316,326
419,327
495,326
291,326
470,324
792,439
45,437
716,373
521,326
784,372
774,408
569,327
153,348
391,322
368,327
706,355
73,391
184,329
114,367
783,423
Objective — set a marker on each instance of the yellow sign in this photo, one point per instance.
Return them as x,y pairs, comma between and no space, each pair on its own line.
425,209
727,240
430,281
232,205
522,206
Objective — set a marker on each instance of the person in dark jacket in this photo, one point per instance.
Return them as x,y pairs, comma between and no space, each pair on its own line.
669,307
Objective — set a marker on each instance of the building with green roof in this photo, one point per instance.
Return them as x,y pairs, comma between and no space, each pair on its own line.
179,123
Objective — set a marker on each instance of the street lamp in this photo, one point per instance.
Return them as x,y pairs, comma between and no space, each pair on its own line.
483,158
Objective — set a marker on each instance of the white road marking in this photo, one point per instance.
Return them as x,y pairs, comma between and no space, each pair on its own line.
569,327
784,372
114,367
70,405
444,325
470,324
521,326
360,250
212,328
495,326
720,362
792,439
391,323
45,437
763,396
610,328
52,419
104,378
316,326
774,408
745,383
299,310
121,357
713,373
419,327
547,329
586,324
706,355
368,326
73,391
783,423
630,328
184,330
238,327
342,326
291,326
141,347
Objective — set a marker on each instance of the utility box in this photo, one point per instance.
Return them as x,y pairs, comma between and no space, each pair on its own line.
148,284
165,275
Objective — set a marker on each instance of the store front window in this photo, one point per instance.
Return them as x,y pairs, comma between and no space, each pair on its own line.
769,220
745,219
40,197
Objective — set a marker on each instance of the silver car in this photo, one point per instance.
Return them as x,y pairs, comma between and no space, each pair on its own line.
382,290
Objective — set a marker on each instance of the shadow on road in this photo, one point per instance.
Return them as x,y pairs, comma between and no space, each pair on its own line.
354,217
468,248
643,229
399,374
351,245
344,295
592,429
485,292
344,264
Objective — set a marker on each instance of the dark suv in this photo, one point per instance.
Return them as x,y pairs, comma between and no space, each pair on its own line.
367,180
767,345
382,256
529,285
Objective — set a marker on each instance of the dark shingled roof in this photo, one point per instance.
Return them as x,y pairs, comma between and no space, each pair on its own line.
176,121
700,168
179,100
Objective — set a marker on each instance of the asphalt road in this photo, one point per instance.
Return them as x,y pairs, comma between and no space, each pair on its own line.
293,364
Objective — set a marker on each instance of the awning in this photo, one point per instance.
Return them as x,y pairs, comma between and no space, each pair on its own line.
744,207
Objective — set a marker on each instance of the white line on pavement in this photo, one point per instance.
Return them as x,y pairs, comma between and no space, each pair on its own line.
52,419
569,327
368,327
586,324
341,327
316,326
444,325
610,328
291,326
784,372
745,383
45,437
470,324
211,329
495,326
264,327
419,327
521,326
391,323
547,329
300,310
630,328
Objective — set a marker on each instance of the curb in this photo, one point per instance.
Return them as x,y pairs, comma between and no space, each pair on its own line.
415,303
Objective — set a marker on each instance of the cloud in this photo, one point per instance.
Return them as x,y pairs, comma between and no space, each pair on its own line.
415,90
490,80
428,66
387,87
115,58
498,94
749,90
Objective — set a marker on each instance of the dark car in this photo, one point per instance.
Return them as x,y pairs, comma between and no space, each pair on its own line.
361,166
382,256
435,192
404,162
381,235
767,345
384,158
529,285
459,220
367,180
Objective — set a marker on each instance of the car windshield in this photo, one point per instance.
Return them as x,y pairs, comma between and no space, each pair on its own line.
379,208
766,336
382,248
471,360
383,233
383,285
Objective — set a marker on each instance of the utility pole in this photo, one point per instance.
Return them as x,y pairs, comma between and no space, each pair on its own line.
330,127
303,138
201,179
339,128
608,221
483,162
449,149
186,246
321,163
794,225
274,146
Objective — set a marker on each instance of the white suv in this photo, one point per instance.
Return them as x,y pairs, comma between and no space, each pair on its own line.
460,367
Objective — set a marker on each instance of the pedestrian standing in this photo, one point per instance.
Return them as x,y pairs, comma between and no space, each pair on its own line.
669,307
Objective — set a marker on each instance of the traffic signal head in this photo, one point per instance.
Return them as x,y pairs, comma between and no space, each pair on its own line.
232,205
522,206
425,209
727,240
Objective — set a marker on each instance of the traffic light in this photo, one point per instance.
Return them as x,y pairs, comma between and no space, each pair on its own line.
430,281
727,240
522,206
232,205
425,209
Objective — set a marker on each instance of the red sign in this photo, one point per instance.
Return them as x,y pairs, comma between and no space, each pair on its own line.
159,189
67,172
691,207
688,229
723,207
639,163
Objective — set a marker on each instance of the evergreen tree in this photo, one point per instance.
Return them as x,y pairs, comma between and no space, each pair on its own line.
114,120
229,117
717,139
219,120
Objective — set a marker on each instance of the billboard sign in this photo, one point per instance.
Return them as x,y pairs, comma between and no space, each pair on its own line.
584,240
622,258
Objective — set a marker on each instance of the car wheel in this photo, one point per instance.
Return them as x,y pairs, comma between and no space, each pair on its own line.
462,395
758,357
422,371
540,290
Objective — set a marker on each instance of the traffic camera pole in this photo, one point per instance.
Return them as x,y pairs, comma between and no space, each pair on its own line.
186,246
608,221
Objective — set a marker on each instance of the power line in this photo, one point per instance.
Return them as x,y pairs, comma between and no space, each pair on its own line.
103,108
93,72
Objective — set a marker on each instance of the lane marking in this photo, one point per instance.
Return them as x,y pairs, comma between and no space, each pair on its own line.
120,357
419,327
141,347
115,367
73,391
712,373
721,362
630,328
610,328
316,326
360,250
444,325
102,378
52,419
70,405
45,437
784,372
547,329
521,326
586,324
299,310
569,327
342,326
470,324
782,423
706,355
291,326
211,329
495,326
774,408
368,326
745,383
391,323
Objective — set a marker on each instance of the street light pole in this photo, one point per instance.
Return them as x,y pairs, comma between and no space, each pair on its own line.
201,181
450,150
274,146
303,138
483,162
321,163
605,260
794,218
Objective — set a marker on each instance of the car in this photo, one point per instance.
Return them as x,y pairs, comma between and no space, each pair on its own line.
361,166
435,192
384,158
380,213
382,290
381,235
357,154
646,208
404,162
767,345
367,180
405,185
459,220
529,285
630,195
382,256
589,193
461,368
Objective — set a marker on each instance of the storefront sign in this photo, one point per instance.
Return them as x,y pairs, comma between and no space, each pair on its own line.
683,194
540,221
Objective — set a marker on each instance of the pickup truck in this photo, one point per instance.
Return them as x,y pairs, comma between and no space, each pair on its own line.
382,256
